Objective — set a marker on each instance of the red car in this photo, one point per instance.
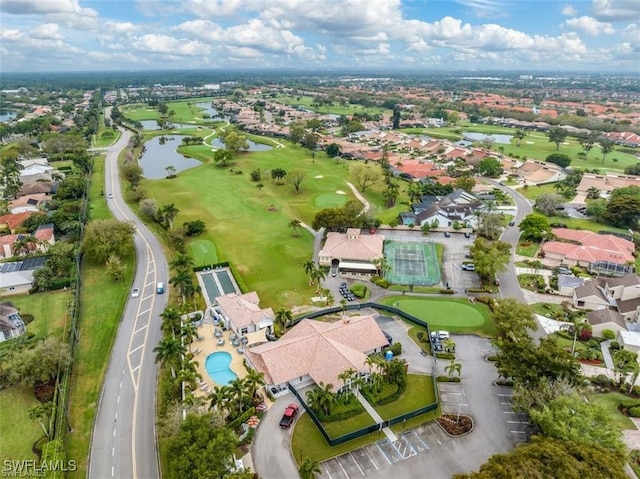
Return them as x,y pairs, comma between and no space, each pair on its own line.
288,416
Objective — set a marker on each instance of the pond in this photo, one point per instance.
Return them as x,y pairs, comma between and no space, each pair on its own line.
153,125
501,139
253,146
157,157
7,115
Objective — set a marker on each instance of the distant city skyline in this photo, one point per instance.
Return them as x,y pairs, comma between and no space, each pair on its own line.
518,35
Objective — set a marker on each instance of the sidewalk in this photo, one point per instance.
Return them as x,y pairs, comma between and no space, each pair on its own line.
372,412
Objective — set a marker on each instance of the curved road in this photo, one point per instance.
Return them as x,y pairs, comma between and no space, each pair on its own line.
124,437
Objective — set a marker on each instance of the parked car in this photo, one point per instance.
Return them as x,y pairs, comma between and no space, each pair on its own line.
468,267
512,223
288,416
447,234
440,335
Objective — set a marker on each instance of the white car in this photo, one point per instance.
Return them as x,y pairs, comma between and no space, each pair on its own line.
135,292
110,196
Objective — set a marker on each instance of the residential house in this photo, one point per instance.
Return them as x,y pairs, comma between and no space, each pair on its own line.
17,277
605,184
21,244
629,340
35,170
605,319
458,206
47,187
567,284
600,253
30,203
13,221
352,253
314,352
242,313
11,324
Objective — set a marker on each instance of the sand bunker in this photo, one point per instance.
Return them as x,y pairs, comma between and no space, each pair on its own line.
529,142
340,192
319,176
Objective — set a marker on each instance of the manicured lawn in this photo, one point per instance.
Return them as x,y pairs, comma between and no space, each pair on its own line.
258,242
338,428
49,310
527,248
19,433
530,281
532,192
203,252
334,109
102,303
585,224
419,393
546,309
451,314
610,402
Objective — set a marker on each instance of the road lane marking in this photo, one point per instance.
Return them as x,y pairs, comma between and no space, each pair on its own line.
133,351
113,451
142,328
114,432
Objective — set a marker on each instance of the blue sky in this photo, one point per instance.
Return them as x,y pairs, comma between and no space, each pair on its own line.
74,35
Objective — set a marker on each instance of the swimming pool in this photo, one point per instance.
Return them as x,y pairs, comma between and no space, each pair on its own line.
217,366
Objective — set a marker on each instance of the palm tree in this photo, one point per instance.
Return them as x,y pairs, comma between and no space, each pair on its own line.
191,290
317,276
182,280
449,345
182,261
171,321
284,317
343,305
309,468
40,412
345,377
239,391
167,214
169,351
382,266
519,136
171,171
188,332
254,380
328,297
295,224
189,378
321,398
606,146
309,267
218,398
453,368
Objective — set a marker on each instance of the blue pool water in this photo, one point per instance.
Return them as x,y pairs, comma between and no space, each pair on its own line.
217,366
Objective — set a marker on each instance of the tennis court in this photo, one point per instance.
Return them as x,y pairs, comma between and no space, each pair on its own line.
412,263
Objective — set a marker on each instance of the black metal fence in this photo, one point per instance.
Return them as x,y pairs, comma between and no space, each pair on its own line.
389,422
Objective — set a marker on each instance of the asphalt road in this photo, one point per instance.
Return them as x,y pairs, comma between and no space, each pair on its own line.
124,436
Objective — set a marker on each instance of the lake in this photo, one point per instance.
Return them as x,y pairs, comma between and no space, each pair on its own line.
501,139
157,157
7,115
153,125
253,146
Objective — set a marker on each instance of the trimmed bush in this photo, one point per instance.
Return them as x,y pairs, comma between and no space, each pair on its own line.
377,280
445,356
446,291
614,345
359,290
634,411
447,379
602,381
608,334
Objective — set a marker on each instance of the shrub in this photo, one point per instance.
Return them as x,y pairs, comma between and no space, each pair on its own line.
634,411
377,280
445,356
26,318
446,291
602,381
614,345
608,334
447,379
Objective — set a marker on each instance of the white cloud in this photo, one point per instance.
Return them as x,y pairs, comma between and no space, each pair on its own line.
590,26
486,8
46,31
154,43
215,8
569,11
616,10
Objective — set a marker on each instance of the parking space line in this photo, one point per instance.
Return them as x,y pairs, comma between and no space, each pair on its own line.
328,473
371,459
519,432
345,472
354,460
420,439
383,454
508,412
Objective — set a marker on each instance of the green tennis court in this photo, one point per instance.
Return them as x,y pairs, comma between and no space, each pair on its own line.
412,263
203,252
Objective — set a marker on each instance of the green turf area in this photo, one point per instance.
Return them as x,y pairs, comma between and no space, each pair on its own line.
185,111
412,263
256,240
419,393
532,192
203,252
330,200
610,402
49,310
527,248
547,309
451,314
334,109
585,224
340,428
19,433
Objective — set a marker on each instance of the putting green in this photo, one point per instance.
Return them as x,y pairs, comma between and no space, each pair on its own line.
330,200
203,252
438,313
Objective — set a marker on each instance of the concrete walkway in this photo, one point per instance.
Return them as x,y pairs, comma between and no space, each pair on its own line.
356,193
606,354
372,412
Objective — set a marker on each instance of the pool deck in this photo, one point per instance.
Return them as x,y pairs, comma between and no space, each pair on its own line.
209,344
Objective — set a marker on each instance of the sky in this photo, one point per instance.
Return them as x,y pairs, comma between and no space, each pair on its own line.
132,35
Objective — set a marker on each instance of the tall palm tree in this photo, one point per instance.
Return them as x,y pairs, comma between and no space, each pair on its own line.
189,378
40,412
239,391
182,261
218,398
453,368
182,279
519,135
309,268
295,224
191,290
169,352
309,468
254,380
283,318
328,297
318,275
345,377
188,331
168,213
171,321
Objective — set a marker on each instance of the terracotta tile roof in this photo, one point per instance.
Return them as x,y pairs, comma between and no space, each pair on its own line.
321,350
591,246
14,220
353,247
243,310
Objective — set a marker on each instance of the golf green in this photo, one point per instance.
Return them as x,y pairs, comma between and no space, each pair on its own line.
439,313
203,252
330,200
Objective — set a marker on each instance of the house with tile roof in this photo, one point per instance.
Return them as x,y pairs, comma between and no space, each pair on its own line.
316,351
352,253
242,313
605,319
599,253
606,183
11,324
13,221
